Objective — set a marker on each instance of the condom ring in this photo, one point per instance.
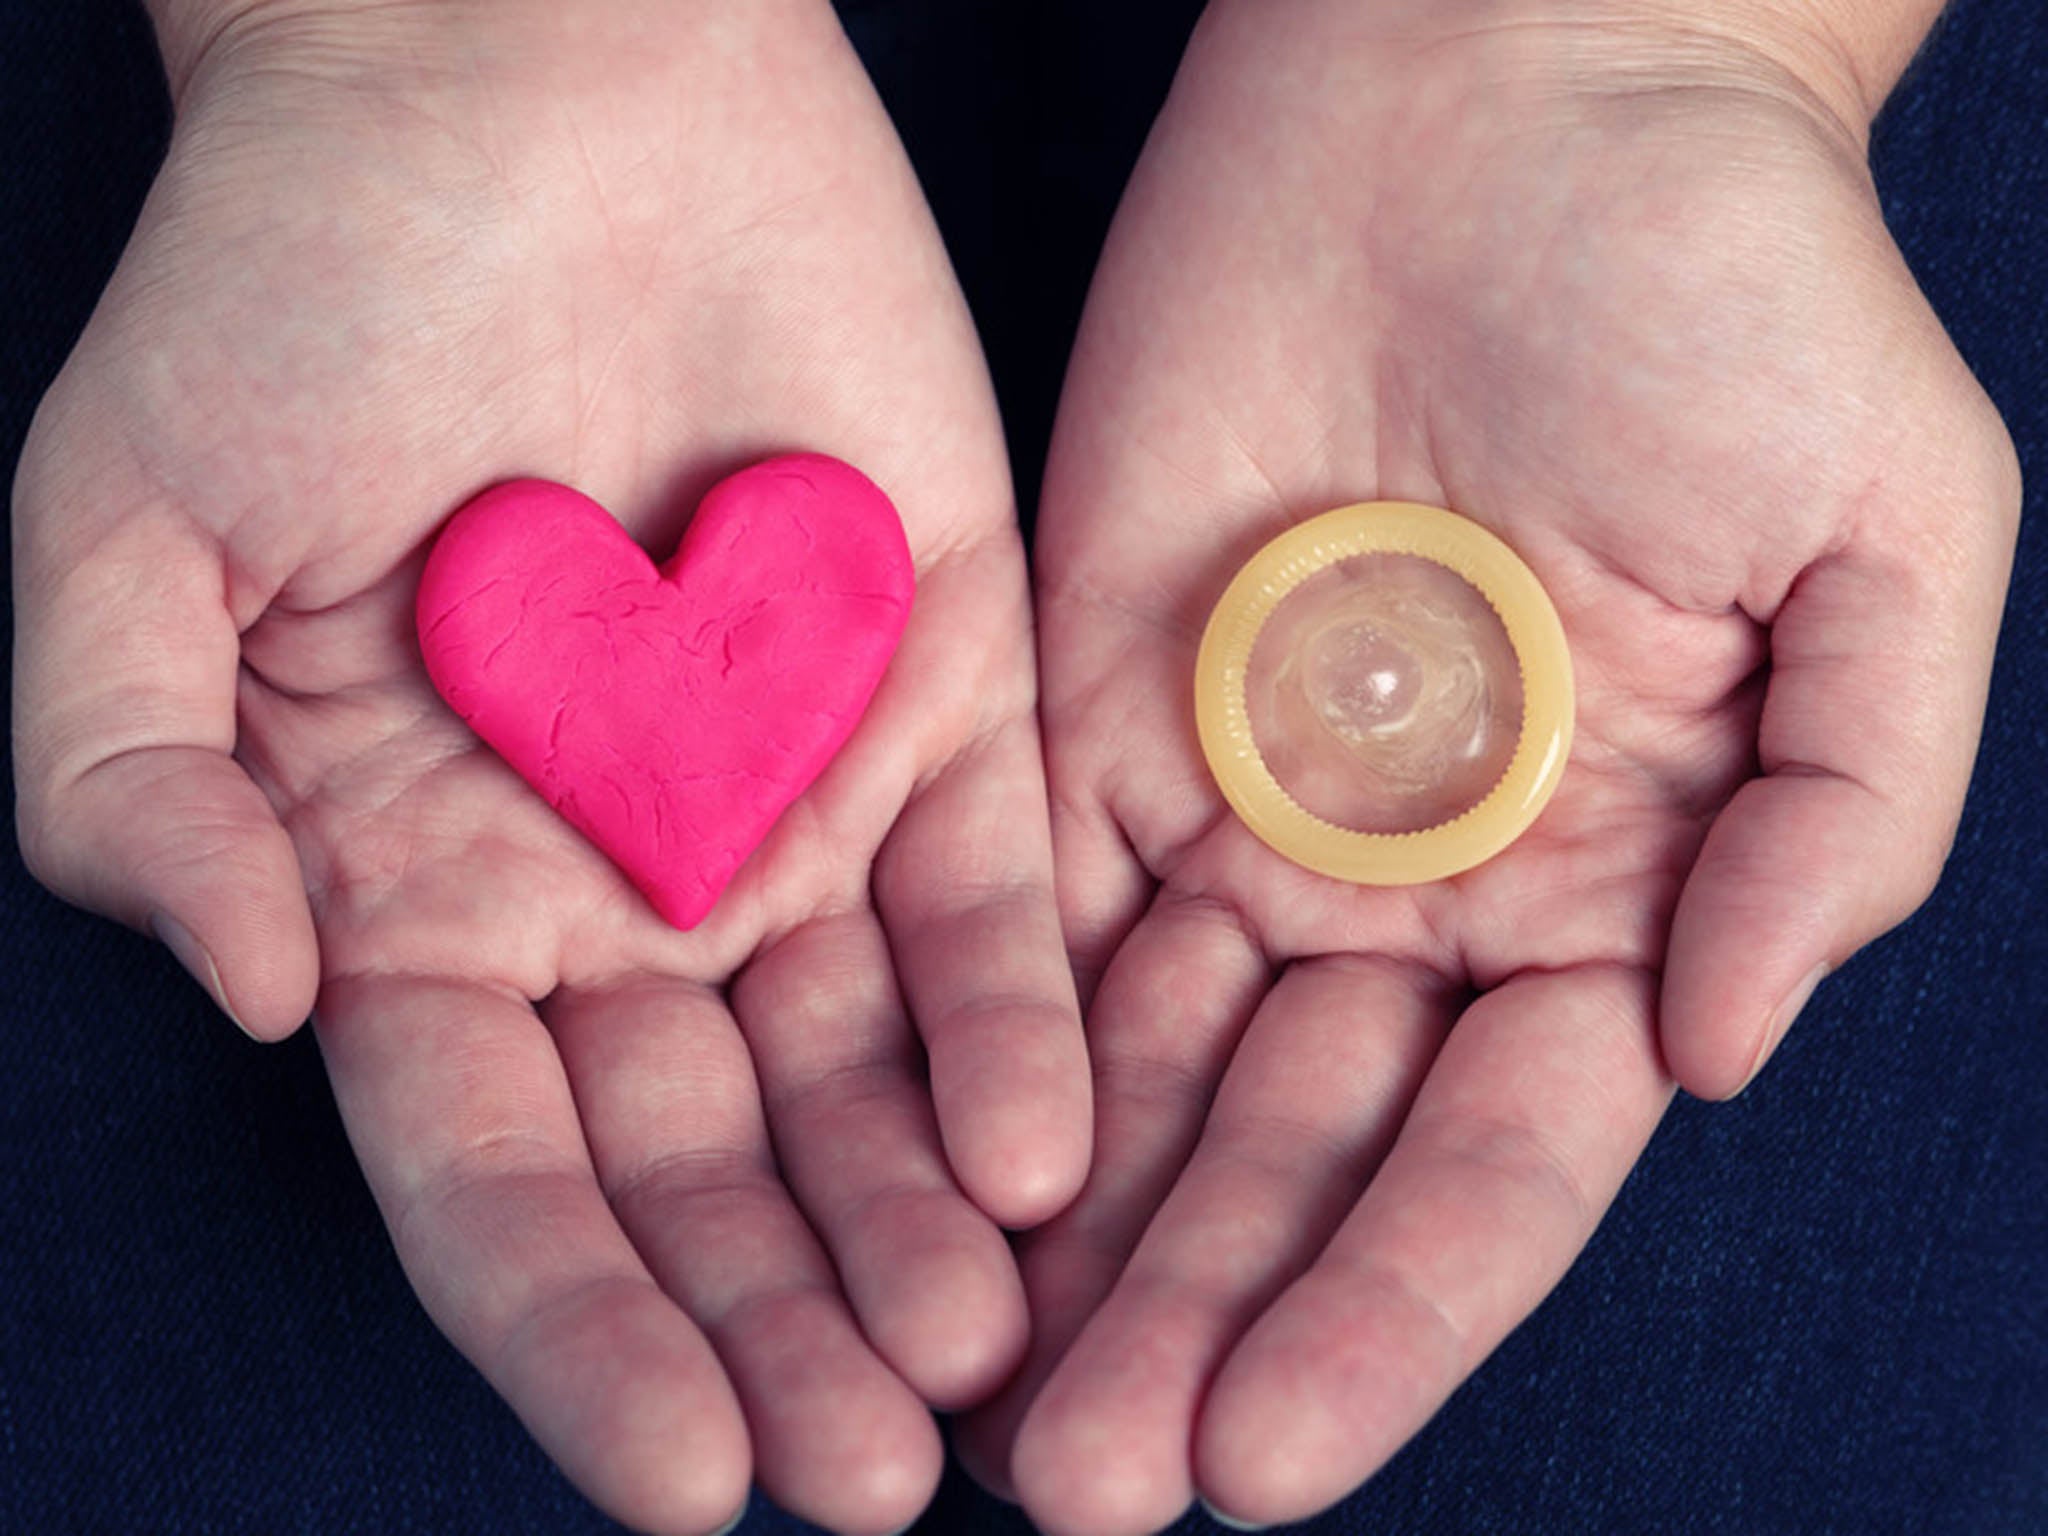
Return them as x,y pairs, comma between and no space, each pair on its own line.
1384,694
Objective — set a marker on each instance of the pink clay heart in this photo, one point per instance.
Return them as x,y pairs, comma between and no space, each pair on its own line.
670,715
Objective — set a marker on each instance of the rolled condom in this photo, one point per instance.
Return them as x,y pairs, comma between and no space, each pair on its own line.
1384,694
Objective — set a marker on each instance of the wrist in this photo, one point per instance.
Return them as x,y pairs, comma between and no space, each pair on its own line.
1850,53
1843,56
380,42
195,36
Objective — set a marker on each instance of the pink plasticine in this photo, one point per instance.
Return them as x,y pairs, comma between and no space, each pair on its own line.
670,715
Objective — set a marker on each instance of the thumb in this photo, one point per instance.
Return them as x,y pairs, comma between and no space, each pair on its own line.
1880,660
129,801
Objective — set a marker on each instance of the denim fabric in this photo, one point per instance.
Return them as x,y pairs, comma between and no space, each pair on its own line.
1823,1308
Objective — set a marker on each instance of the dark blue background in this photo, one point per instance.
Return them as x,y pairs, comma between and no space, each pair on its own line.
1823,1308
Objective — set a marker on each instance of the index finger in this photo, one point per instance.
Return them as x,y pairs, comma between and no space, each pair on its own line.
964,887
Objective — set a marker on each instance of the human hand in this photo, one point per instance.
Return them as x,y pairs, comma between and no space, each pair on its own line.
398,253
1621,292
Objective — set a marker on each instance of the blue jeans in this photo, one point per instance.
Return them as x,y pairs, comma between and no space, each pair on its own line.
1823,1308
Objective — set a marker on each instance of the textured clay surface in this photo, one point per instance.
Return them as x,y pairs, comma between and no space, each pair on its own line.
670,715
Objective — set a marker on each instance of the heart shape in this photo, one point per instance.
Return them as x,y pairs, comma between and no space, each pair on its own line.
670,715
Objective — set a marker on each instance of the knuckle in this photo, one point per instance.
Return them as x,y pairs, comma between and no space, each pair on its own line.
1993,442
39,836
1920,878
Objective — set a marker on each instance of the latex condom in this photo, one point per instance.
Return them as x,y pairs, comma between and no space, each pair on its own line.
1384,694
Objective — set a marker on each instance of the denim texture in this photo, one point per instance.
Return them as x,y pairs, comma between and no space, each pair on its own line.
1822,1308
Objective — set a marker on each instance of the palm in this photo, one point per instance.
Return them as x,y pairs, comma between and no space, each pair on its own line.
1662,351
348,310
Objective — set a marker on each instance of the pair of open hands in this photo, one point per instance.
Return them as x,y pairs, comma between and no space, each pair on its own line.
724,1205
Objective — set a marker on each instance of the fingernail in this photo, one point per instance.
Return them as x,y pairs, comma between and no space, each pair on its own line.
1789,1010
1227,1521
178,939
735,1522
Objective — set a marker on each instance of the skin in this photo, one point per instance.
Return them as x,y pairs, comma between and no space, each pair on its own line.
704,1207
1616,286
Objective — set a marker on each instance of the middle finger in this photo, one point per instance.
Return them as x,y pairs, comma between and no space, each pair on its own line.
674,1125
1312,1100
